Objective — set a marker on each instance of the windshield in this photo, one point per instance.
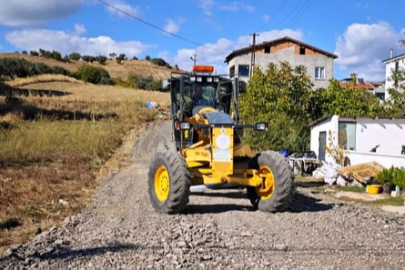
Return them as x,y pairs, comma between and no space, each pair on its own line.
204,94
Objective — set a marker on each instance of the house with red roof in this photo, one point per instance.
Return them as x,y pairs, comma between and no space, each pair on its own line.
319,63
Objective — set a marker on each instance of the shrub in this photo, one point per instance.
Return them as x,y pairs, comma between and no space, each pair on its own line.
107,81
24,52
92,74
101,59
160,62
145,83
75,56
399,177
386,176
22,68
86,58
34,53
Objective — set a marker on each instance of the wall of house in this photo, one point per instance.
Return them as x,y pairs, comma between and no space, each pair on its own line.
389,134
385,160
292,56
390,65
332,125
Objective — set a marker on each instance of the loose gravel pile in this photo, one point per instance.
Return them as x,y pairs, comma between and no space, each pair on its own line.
220,229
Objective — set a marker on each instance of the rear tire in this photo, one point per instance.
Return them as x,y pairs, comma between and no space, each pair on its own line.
277,194
169,182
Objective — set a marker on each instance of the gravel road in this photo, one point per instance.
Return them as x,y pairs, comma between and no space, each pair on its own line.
220,229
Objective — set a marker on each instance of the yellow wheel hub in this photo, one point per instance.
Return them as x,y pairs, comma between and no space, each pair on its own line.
265,191
162,183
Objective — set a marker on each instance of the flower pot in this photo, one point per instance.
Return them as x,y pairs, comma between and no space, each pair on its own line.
387,188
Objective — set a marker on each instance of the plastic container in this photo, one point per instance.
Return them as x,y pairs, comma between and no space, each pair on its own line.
374,189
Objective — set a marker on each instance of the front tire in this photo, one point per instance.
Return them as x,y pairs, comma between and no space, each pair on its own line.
278,189
169,182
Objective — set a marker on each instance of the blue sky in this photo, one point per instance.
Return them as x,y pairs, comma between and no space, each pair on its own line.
361,33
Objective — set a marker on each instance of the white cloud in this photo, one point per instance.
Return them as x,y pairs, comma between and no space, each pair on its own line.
66,43
362,48
122,5
206,6
23,12
266,18
236,6
173,26
80,29
215,53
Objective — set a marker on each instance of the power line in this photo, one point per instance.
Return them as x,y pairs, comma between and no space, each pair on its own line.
303,9
157,27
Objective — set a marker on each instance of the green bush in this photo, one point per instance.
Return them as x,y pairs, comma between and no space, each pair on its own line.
386,176
107,81
22,68
75,56
34,53
399,177
91,74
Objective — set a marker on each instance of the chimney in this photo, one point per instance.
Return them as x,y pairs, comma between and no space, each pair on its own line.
391,51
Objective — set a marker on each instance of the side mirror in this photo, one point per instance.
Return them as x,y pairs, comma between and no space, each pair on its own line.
166,85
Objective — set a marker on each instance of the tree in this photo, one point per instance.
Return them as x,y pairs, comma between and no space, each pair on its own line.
34,53
75,56
395,106
349,100
120,58
147,58
282,96
101,59
24,52
86,58
279,96
113,55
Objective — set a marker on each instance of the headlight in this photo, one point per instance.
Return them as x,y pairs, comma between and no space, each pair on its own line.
261,126
209,79
192,79
199,79
184,125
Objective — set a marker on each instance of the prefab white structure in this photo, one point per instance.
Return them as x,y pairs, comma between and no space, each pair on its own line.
364,139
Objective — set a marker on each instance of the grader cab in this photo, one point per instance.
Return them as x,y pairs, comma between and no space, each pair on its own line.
207,148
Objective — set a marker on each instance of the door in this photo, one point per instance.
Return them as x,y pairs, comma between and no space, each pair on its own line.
322,143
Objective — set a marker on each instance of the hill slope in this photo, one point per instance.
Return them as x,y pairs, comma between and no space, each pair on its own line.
140,67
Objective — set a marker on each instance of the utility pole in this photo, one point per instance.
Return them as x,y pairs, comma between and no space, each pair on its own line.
194,58
253,56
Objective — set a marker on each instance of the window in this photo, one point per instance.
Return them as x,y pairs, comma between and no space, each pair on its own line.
267,49
319,73
347,135
232,71
302,50
243,70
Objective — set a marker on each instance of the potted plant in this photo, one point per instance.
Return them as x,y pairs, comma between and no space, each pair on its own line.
386,179
399,178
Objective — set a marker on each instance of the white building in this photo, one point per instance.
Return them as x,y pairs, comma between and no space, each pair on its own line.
359,135
392,64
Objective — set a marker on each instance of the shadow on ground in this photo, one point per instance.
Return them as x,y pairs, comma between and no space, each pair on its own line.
66,253
300,203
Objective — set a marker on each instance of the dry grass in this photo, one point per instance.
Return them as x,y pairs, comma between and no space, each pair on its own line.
45,78
53,147
139,67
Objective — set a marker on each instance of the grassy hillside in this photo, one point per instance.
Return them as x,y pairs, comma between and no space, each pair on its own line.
56,134
139,67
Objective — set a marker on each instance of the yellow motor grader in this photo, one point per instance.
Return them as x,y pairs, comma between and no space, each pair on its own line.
207,148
